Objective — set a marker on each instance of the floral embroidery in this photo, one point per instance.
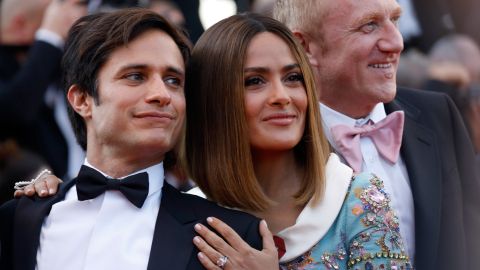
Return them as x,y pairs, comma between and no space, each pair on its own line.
303,262
366,232
357,192
383,227
379,215
357,210
374,198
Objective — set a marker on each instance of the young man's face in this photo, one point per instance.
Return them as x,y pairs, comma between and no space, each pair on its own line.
358,61
141,100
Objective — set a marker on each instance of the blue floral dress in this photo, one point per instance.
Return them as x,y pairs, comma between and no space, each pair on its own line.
364,234
352,227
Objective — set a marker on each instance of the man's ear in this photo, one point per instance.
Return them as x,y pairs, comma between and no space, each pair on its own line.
80,101
308,45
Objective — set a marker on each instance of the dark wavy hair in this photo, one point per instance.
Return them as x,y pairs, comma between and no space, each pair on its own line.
91,41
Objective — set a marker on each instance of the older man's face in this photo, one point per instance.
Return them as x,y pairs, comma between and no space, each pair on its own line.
358,61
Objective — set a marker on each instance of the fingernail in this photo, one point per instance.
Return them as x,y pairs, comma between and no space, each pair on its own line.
43,192
200,255
198,227
265,222
209,220
196,239
51,191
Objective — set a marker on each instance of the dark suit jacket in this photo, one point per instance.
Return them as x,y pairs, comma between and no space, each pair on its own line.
441,166
172,246
25,116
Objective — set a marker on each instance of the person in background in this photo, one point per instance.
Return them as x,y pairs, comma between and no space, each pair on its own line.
264,7
169,10
32,107
354,48
454,69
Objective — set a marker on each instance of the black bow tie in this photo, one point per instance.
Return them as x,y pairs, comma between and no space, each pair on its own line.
91,183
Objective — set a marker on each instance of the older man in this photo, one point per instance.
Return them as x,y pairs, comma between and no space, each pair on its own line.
415,141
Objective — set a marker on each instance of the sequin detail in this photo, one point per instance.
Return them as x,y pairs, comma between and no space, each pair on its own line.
366,234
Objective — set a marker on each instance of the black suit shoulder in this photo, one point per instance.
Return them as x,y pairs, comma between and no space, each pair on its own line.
7,213
436,111
246,225
205,206
420,98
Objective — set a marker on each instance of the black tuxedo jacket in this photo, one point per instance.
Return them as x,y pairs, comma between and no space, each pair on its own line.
441,166
172,247
25,116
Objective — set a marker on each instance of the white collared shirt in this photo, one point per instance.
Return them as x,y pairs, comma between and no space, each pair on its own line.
395,177
107,232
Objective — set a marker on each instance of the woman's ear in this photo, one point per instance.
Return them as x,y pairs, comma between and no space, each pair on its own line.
309,46
80,101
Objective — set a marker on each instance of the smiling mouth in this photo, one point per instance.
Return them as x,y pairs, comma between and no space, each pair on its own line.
157,119
160,115
280,119
386,69
381,66
279,116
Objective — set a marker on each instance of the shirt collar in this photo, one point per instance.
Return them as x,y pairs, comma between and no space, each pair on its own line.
155,173
307,230
331,118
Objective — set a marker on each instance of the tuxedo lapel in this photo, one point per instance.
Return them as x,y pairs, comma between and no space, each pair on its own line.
172,244
420,153
29,216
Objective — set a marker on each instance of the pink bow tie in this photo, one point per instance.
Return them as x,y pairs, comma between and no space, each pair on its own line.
386,135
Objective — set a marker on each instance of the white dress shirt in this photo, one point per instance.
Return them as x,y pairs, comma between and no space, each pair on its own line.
107,232
394,176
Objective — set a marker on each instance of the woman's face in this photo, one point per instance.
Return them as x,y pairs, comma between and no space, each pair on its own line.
275,97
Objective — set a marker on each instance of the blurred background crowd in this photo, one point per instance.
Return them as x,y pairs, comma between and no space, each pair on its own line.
441,40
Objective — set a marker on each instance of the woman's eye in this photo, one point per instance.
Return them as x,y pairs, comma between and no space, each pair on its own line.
295,77
253,81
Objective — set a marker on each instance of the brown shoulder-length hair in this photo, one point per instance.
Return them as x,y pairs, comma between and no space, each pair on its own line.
217,146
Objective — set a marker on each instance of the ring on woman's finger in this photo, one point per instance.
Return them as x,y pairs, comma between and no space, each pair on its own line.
222,261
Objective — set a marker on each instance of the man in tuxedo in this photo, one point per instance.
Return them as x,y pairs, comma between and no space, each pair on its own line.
124,72
427,163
